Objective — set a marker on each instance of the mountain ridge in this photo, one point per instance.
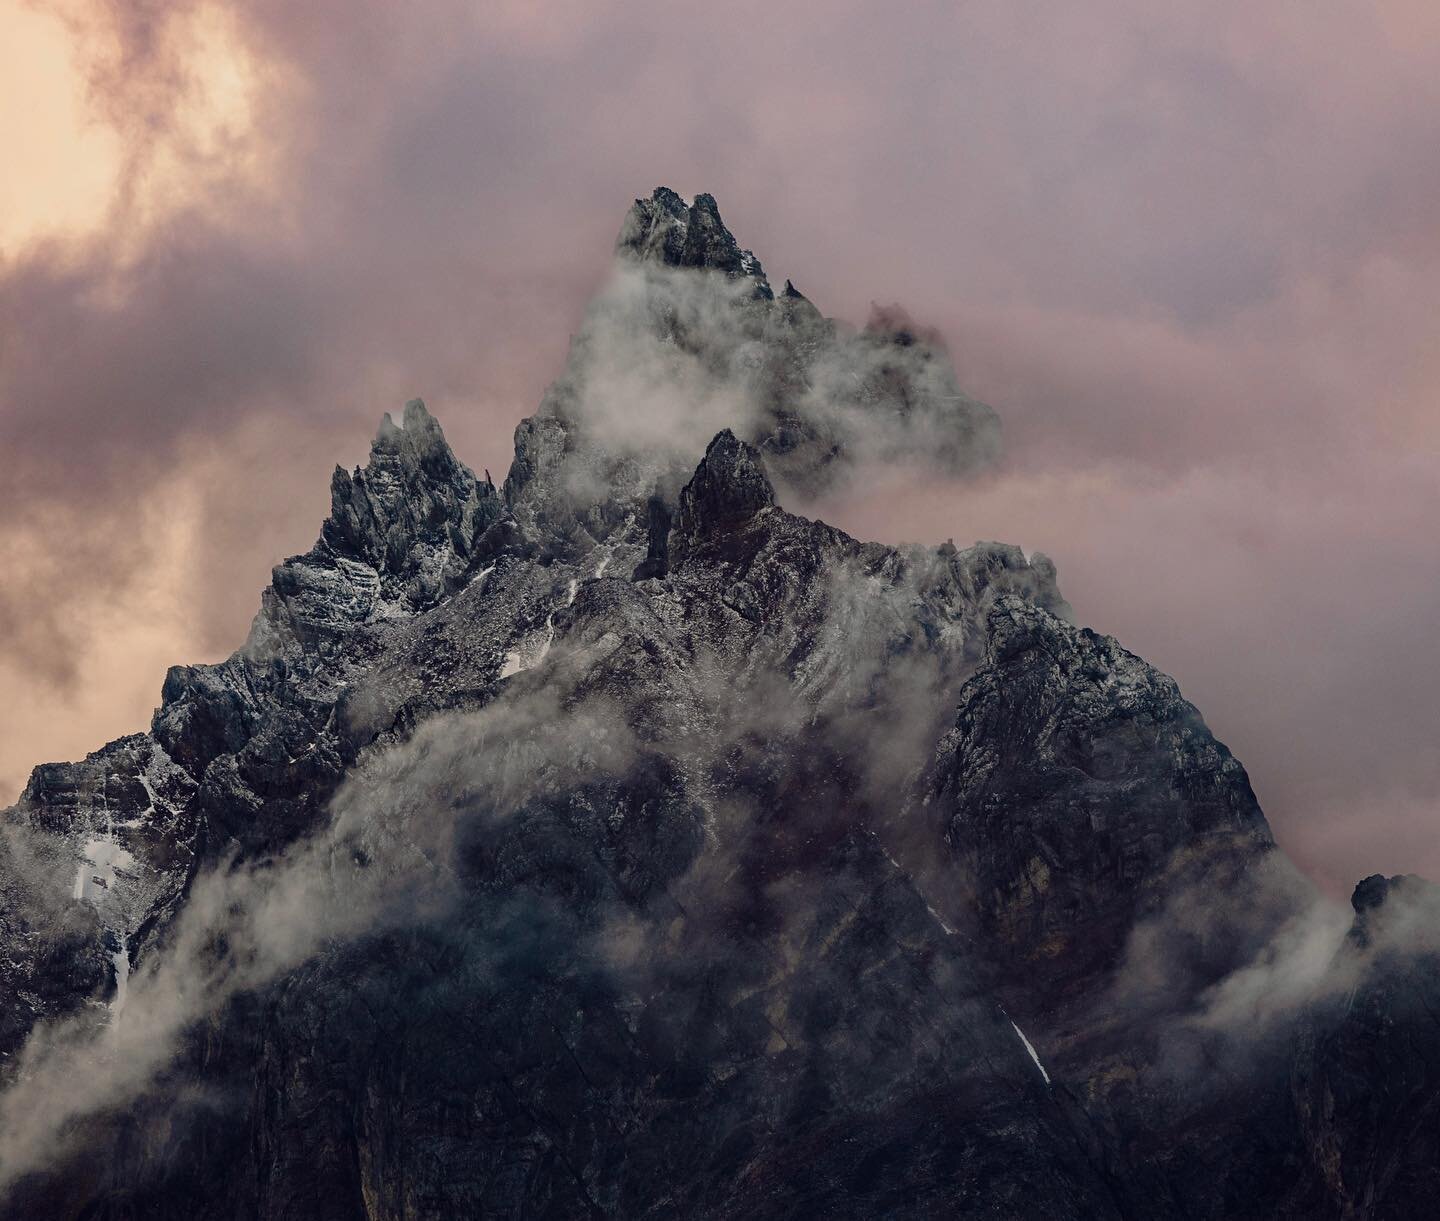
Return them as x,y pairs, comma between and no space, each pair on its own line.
616,843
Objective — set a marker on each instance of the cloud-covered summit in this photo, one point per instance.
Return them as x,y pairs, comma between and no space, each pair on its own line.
686,337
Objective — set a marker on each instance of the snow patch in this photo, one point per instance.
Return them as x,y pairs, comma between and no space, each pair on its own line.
120,959
949,932
100,856
1031,1050
149,791
939,919
531,651
103,863
306,753
514,663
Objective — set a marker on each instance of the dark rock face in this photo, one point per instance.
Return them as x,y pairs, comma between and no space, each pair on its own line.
728,488
619,844
1076,787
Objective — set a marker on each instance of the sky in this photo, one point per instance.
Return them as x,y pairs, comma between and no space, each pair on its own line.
1188,252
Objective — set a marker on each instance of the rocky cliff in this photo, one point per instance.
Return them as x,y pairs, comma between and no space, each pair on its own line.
615,843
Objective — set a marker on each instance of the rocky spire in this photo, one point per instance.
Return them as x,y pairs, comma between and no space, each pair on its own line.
729,487
413,496
668,229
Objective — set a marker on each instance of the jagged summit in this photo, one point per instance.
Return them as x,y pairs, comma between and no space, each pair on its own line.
414,513
418,433
687,340
672,231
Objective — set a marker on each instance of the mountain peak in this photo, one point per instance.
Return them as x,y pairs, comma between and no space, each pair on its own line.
729,487
413,493
417,436
669,230
742,874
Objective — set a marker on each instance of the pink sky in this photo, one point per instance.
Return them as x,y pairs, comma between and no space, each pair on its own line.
1189,253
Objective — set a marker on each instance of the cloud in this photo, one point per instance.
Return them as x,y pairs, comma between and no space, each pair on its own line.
667,357
1285,946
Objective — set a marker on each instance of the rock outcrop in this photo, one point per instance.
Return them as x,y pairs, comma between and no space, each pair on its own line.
1078,787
